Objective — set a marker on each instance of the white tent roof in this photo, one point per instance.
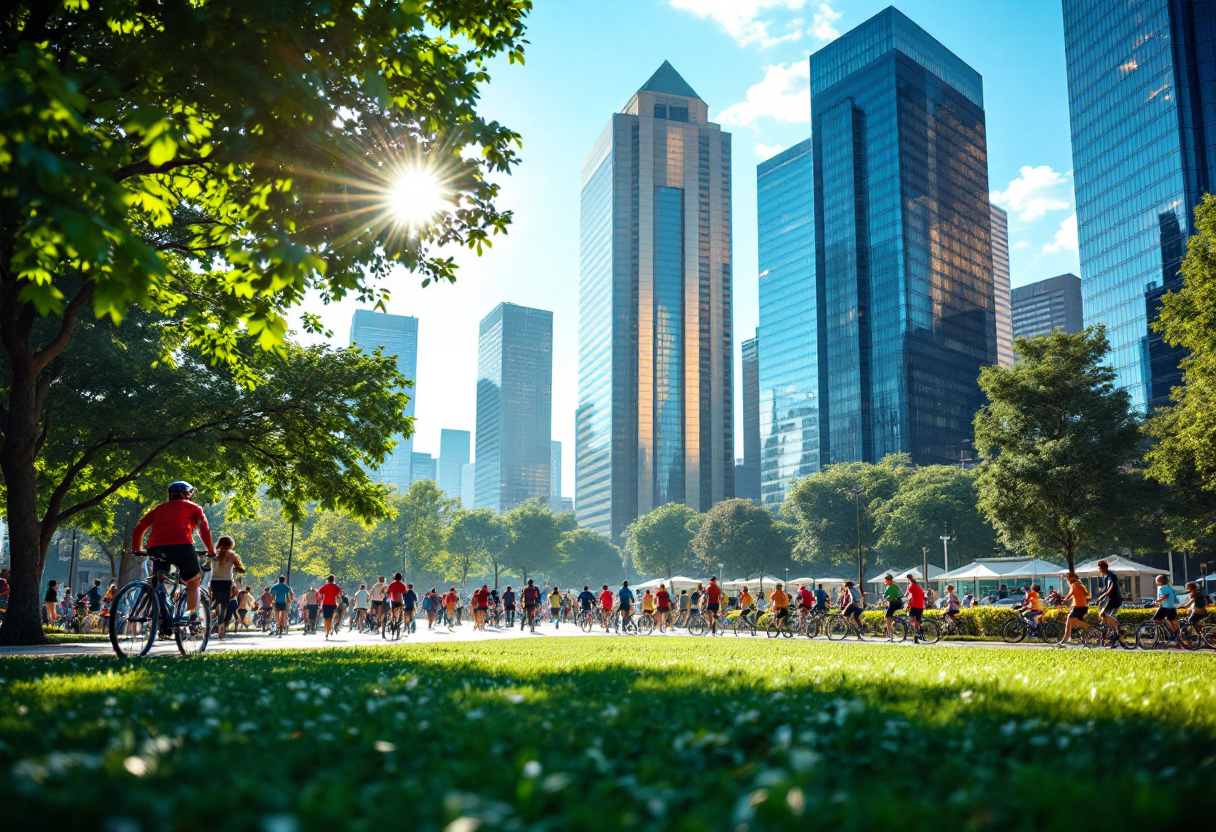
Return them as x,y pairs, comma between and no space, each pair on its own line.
1118,565
934,573
1036,567
750,582
971,572
676,583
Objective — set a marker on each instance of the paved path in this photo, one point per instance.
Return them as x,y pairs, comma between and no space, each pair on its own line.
297,641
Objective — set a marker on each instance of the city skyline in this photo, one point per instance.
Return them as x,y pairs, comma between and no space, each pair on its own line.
762,90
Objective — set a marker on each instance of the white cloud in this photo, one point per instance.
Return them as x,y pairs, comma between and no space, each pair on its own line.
1035,192
746,21
821,25
1020,244
768,151
784,95
1066,236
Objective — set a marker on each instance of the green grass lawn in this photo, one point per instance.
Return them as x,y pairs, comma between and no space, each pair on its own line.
620,733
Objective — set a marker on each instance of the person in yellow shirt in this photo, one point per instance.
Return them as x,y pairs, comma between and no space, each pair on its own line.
648,604
780,603
1079,596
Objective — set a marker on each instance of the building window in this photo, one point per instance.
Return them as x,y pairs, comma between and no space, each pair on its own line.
660,111
677,113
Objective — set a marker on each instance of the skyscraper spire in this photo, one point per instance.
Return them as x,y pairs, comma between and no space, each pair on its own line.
668,82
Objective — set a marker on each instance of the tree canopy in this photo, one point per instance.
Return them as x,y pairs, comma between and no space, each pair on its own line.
1061,442
660,542
746,539
928,501
587,557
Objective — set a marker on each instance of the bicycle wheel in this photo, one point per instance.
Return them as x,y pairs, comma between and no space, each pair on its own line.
900,629
697,627
629,626
1189,637
1148,637
586,623
1050,632
192,638
837,628
134,618
645,625
1014,632
1209,636
930,631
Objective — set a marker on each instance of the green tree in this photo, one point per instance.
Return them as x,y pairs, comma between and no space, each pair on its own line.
660,542
414,540
928,500
534,534
264,537
828,507
475,545
746,539
1060,440
337,544
587,557
1184,454
219,181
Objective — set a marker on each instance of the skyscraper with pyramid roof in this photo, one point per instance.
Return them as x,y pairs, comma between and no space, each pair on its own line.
654,422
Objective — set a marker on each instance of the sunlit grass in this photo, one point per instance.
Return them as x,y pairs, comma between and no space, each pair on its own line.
617,733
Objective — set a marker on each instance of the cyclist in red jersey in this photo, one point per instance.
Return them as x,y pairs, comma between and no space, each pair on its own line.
171,541
328,595
396,599
713,602
915,597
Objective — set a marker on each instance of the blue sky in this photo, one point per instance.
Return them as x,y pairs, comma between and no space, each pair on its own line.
748,61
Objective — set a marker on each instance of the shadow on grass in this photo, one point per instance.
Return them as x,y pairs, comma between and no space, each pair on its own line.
612,733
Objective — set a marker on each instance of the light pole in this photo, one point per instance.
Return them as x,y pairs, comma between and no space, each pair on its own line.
291,547
945,538
855,491
924,564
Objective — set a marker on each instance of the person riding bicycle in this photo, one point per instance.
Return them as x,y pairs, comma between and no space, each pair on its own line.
747,604
1110,598
953,604
395,595
283,595
806,599
607,599
915,596
310,609
1196,604
713,603
894,603
822,599
625,594
1166,604
779,602
1079,595
531,599
171,527
851,606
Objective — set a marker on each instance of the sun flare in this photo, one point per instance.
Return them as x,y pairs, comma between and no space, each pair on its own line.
415,196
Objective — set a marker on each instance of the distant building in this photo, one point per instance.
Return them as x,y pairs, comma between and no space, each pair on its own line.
423,467
903,244
655,409
1141,98
555,475
1054,303
789,362
1000,280
453,456
749,488
468,485
397,335
514,406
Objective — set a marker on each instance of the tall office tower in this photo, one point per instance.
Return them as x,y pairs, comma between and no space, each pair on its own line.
453,455
555,476
655,415
1000,281
422,467
789,362
903,244
1141,91
468,484
749,488
398,336
514,406
1054,303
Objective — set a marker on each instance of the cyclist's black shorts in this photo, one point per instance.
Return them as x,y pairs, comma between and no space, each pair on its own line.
1078,613
1108,608
892,606
327,610
782,612
1165,614
915,613
180,555
280,606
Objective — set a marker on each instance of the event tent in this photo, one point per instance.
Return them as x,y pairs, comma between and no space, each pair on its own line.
1120,566
935,573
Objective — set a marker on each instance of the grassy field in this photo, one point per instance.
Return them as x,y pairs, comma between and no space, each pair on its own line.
601,734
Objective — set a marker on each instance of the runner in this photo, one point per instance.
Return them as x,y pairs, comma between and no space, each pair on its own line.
377,596
409,602
685,607
894,603
1080,605
362,599
328,595
310,610
1110,598
450,601
625,594
662,608
481,606
1167,605
531,602
508,606
282,595
606,601
915,597
713,601
226,563
555,606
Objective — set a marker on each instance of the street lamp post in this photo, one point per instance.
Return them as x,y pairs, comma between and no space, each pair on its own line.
855,491
945,538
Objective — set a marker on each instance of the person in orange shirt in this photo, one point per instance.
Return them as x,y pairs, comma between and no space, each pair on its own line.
1079,596
780,603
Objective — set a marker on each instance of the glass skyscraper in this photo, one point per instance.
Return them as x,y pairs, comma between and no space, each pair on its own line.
904,287
423,467
1142,102
655,420
514,407
397,335
453,455
789,358
1000,282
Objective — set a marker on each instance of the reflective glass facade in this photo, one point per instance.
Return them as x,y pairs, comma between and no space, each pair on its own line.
514,406
747,475
398,336
654,423
789,360
1000,283
1142,102
904,287
453,454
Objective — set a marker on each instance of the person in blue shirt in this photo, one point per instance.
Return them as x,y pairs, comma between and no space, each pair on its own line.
625,594
283,596
1167,604
821,599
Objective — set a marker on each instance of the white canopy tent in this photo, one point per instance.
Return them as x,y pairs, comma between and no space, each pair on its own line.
752,583
935,573
676,583
1120,566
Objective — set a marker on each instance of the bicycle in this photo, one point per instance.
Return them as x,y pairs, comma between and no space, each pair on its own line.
393,625
780,626
1024,627
838,627
697,625
744,622
646,623
155,607
585,620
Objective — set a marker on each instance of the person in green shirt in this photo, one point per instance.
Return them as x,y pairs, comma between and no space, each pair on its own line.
894,602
